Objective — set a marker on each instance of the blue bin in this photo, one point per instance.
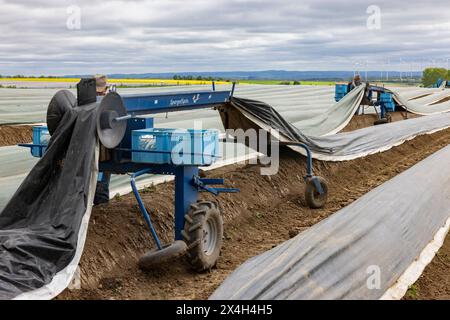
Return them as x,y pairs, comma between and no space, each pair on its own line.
387,101
340,91
41,136
175,146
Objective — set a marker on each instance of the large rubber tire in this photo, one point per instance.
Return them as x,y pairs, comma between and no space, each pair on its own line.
62,101
158,257
203,233
314,199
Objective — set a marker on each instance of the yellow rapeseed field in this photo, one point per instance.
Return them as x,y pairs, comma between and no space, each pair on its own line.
118,81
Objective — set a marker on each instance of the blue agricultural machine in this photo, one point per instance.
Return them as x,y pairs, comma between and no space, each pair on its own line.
440,83
375,96
133,146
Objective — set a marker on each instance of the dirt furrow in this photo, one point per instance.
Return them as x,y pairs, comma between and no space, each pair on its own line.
12,135
268,211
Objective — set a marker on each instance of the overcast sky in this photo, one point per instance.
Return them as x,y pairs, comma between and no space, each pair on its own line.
44,36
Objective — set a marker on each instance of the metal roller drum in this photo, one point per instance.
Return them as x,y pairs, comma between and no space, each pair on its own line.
109,130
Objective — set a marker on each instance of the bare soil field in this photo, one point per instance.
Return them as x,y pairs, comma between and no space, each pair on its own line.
267,212
367,120
12,135
434,283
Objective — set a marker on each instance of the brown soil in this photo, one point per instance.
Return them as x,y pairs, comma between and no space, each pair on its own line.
367,120
420,97
441,101
267,212
434,283
12,135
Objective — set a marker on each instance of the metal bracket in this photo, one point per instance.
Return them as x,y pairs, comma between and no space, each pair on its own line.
202,185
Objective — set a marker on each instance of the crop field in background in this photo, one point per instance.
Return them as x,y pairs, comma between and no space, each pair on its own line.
128,82
166,82
285,82
24,82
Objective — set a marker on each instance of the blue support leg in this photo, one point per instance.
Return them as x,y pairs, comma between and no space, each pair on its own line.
142,206
185,194
309,163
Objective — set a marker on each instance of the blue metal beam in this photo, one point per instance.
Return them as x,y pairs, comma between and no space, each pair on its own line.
139,104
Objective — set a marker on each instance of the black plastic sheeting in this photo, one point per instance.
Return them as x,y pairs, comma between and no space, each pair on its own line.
268,115
40,225
360,251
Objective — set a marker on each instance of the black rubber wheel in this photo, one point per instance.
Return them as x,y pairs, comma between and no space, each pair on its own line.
381,121
314,199
168,253
203,233
61,102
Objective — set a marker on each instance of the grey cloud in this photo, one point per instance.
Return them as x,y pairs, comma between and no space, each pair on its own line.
178,35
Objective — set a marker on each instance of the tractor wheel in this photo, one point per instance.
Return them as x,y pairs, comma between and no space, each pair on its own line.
203,232
157,257
314,199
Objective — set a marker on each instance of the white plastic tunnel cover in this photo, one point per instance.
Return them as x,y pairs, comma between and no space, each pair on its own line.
336,147
363,250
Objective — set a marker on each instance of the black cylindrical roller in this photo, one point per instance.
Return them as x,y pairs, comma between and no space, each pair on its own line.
110,131
61,102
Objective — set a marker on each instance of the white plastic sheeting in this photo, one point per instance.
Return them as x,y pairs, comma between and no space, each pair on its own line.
360,143
338,147
292,109
423,106
299,102
30,105
359,252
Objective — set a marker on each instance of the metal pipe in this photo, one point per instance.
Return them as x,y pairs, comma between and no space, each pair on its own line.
309,164
32,145
168,152
232,89
128,116
141,205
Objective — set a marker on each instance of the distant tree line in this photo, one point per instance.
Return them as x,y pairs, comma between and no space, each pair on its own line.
288,83
432,75
31,77
199,78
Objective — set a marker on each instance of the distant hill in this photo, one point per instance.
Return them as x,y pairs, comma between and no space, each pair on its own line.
264,75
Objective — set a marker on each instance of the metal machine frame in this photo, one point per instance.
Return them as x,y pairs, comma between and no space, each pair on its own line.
188,183
383,115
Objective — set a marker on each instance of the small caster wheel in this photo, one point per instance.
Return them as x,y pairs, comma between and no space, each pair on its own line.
203,232
314,198
168,253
